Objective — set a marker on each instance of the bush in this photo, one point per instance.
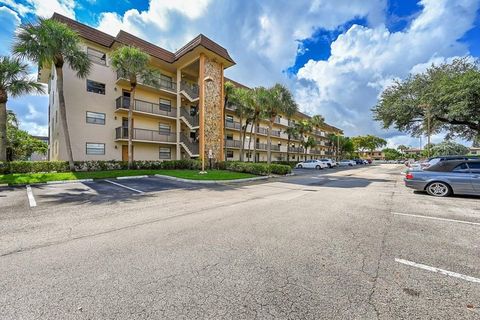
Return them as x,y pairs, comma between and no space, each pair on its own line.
261,169
62,166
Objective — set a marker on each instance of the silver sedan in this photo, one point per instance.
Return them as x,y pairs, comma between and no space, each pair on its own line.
447,178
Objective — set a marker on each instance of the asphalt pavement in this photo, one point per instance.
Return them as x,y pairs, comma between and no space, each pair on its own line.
349,243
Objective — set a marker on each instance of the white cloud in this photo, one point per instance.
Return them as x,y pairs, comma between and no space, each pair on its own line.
42,8
364,60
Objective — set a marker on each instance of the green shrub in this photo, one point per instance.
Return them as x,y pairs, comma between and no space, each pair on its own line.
261,169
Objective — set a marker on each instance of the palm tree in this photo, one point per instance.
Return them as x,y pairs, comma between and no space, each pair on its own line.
309,143
317,122
304,127
291,132
51,43
254,102
133,64
14,81
239,98
276,100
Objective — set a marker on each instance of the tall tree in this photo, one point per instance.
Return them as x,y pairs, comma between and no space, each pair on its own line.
254,102
133,63
317,122
20,144
228,89
447,148
276,100
308,143
239,98
443,98
402,148
368,142
14,81
51,43
292,133
304,128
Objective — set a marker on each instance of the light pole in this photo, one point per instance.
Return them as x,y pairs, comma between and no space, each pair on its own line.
205,80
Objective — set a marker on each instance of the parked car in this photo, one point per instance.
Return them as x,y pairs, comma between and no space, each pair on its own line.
347,163
447,177
435,160
312,164
358,161
330,163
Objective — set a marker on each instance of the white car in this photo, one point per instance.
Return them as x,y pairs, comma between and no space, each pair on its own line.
312,164
347,163
330,163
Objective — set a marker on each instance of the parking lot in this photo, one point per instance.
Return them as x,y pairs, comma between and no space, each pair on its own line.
336,243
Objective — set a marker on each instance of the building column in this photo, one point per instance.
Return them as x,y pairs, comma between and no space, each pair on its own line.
201,106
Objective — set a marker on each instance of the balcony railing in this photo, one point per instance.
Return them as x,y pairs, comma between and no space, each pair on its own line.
145,135
156,82
233,125
231,107
192,146
296,149
233,143
147,107
193,120
262,131
276,133
190,88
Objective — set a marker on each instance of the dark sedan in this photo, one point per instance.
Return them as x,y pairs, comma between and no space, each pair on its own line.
446,178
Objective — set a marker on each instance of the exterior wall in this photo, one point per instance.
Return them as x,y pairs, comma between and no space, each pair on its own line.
213,108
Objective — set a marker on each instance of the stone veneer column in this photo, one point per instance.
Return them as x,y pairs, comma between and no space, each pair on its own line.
213,116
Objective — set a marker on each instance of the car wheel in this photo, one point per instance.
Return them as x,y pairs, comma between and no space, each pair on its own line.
299,166
350,165
329,165
438,189
318,167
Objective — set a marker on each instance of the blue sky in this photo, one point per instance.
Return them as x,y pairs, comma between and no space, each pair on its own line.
335,55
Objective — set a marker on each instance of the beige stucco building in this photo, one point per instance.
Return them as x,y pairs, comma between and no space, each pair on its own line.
182,118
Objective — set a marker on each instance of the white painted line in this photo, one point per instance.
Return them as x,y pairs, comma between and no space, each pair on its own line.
123,186
436,218
131,177
31,198
438,270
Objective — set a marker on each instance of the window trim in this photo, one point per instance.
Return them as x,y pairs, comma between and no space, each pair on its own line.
97,59
94,154
99,123
229,151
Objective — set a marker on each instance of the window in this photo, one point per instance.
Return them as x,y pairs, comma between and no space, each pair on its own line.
95,148
229,153
229,119
229,137
164,128
474,167
166,81
95,117
95,87
165,105
165,153
97,56
461,168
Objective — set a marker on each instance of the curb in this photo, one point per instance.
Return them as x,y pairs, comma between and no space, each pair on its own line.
212,181
131,177
64,181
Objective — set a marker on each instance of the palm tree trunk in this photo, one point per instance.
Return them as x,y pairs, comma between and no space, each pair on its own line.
63,116
250,141
242,138
130,126
255,143
3,128
269,142
288,149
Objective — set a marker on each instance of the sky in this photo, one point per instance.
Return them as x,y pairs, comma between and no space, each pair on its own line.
335,55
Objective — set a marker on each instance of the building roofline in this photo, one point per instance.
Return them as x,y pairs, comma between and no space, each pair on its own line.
107,40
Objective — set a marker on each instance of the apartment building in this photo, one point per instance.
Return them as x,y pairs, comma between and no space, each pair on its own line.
182,118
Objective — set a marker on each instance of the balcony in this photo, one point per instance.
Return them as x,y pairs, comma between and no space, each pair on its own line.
157,83
190,90
276,133
233,125
296,149
231,107
121,133
146,107
233,144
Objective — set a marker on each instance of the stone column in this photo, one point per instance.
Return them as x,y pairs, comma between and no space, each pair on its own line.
179,104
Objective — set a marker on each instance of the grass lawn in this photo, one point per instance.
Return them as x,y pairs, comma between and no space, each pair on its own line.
29,178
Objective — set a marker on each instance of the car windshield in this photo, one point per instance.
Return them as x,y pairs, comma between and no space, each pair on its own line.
434,161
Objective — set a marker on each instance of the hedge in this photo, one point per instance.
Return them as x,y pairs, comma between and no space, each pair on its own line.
62,166
262,169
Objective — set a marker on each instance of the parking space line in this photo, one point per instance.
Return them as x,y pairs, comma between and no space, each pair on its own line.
438,270
31,198
436,218
123,186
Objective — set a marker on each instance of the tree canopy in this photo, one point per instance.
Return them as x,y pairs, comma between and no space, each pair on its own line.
392,154
448,95
368,142
447,148
20,144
